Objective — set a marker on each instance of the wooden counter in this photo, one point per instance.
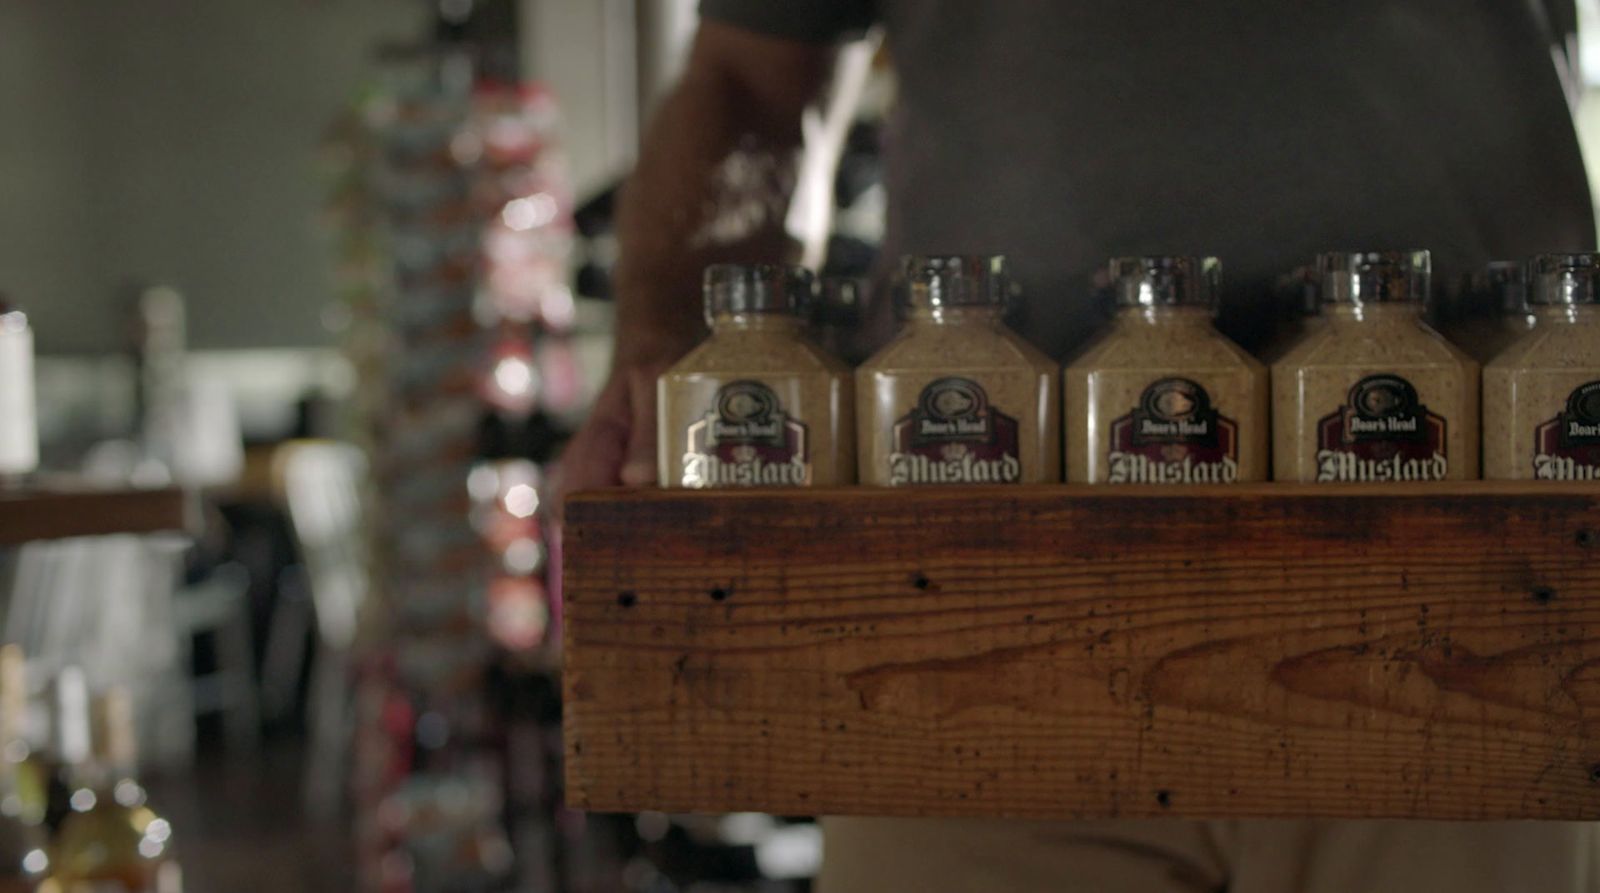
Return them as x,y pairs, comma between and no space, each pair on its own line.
1426,651
56,507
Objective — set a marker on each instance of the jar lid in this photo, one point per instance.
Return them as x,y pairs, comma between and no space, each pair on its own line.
1374,277
1166,281
935,281
1565,279
756,288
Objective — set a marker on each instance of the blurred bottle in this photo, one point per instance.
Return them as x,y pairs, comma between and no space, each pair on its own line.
19,427
159,337
188,424
24,840
24,734
111,841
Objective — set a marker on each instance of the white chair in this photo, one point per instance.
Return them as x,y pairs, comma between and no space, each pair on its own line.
105,603
219,605
320,482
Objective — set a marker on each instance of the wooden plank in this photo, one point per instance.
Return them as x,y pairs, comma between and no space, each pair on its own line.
1427,651
57,508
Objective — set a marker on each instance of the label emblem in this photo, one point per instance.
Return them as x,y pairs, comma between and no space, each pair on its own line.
1382,433
1567,448
1174,436
746,440
954,436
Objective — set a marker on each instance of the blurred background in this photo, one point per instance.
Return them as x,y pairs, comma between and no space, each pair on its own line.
338,272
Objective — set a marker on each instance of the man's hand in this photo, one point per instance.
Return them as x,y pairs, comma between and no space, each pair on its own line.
741,99
617,444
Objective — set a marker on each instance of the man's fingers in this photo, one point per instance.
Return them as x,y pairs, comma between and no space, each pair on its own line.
591,460
639,467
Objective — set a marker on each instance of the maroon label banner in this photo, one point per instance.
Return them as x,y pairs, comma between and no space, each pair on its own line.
1382,433
1174,436
954,436
746,440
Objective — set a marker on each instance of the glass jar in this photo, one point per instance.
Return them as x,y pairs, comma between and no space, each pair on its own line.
1375,394
957,397
1541,395
757,403
1162,397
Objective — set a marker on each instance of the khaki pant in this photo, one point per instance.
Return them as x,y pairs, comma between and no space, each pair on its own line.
1170,855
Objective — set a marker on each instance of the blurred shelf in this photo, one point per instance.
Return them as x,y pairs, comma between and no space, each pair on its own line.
1403,651
56,506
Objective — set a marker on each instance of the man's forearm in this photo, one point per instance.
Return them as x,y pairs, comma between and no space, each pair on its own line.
712,184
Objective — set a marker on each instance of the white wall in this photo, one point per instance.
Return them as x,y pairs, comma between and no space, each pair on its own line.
586,52
608,61
175,140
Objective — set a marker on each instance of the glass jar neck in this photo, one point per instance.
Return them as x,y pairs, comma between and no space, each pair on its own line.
972,314
765,322
1395,312
1196,317
1573,314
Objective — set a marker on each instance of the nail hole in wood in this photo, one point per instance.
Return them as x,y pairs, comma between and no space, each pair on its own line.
921,581
1594,774
719,594
1587,538
1164,797
627,599
1543,594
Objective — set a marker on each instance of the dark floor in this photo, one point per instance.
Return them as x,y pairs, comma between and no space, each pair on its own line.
239,826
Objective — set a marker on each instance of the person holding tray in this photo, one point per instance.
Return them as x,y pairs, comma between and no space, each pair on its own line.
1062,132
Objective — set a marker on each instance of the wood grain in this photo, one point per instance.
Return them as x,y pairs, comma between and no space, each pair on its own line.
1428,651
57,508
